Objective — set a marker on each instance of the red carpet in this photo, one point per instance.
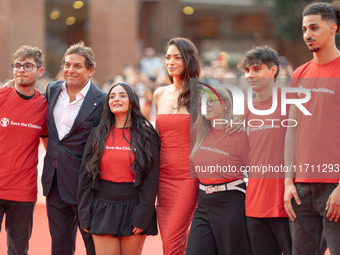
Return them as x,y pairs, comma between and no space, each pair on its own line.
40,243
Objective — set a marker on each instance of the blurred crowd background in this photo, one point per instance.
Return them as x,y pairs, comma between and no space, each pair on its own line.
129,37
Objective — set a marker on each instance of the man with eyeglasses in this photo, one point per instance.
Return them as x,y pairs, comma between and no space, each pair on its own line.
22,122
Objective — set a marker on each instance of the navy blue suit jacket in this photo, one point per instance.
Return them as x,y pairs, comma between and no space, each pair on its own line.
64,156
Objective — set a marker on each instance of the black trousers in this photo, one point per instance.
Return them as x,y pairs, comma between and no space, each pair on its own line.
63,222
269,236
18,224
219,225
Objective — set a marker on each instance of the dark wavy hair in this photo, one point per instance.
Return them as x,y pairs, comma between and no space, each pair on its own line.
260,55
191,73
142,134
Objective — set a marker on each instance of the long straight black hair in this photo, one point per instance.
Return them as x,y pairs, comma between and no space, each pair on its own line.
142,134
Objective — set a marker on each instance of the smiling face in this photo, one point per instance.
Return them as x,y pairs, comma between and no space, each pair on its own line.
119,101
317,33
75,73
26,78
174,61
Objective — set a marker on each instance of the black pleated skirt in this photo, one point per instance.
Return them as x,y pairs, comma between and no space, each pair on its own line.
113,209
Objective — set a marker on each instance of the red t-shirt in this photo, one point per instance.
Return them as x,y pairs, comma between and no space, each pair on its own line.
318,135
117,157
265,190
22,123
221,156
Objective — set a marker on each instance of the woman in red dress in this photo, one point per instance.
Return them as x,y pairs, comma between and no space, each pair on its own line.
177,195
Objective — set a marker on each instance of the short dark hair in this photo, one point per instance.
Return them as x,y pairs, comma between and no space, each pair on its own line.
328,11
81,49
26,51
260,55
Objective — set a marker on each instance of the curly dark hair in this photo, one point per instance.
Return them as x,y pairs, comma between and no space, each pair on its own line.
260,55
142,134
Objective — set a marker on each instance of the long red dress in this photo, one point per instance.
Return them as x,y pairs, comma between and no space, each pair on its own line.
177,195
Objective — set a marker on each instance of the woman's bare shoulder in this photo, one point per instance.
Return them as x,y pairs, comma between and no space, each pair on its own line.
160,90
163,90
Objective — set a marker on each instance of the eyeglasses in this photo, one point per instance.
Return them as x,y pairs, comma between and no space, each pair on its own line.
28,67
211,102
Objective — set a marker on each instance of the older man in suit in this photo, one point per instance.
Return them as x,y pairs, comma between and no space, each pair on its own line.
74,108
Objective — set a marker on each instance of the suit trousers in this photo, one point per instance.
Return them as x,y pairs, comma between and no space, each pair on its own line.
63,222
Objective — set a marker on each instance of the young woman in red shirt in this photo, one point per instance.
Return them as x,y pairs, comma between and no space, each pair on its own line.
119,176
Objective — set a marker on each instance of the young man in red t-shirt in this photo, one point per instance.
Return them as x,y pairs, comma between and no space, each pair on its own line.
267,221
312,147
22,122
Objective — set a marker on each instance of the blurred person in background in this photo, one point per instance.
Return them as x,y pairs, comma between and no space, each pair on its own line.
221,71
286,71
151,64
147,104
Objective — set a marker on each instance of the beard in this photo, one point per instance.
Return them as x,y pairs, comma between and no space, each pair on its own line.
316,49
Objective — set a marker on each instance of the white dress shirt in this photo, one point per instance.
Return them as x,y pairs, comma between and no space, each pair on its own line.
65,112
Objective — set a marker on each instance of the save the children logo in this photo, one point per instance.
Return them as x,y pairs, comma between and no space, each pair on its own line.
4,122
